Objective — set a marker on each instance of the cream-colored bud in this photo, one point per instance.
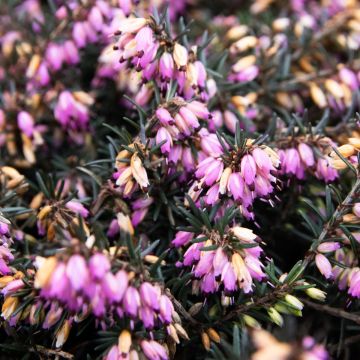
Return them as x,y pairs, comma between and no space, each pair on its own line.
33,66
63,334
138,171
294,301
45,210
125,223
9,306
355,142
244,63
192,74
334,88
173,334
337,164
284,99
83,97
181,331
124,342
124,177
318,96
243,234
245,43
346,151
180,55
129,25
45,271
237,32
224,179
281,24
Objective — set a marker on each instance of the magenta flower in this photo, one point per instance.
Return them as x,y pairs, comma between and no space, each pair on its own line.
324,266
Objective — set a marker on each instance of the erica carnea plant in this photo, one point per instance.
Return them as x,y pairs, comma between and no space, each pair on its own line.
179,179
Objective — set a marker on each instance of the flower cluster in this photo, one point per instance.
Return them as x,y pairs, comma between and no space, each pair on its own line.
242,173
148,49
231,267
308,155
82,285
141,144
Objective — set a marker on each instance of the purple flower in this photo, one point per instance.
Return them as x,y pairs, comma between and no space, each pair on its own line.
149,295
99,265
131,301
324,265
182,238
77,272
153,350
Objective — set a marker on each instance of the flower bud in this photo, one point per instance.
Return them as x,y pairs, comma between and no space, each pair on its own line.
180,55
250,321
316,294
294,301
124,342
205,341
275,316
213,335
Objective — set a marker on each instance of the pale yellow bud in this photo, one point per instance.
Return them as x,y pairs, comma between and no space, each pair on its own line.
138,171
45,210
318,96
130,25
124,342
346,151
33,66
224,180
337,164
281,24
45,271
243,234
245,43
152,259
63,334
173,334
37,200
237,32
125,223
192,74
9,306
355,142
244,63
83,97
334,88
10,172
284,99
180,55
124,177
181,331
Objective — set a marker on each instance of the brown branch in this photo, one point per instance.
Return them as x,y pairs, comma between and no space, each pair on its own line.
337,312
50,352
180,309
262,301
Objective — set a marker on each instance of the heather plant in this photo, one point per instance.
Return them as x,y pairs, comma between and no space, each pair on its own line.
179,179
